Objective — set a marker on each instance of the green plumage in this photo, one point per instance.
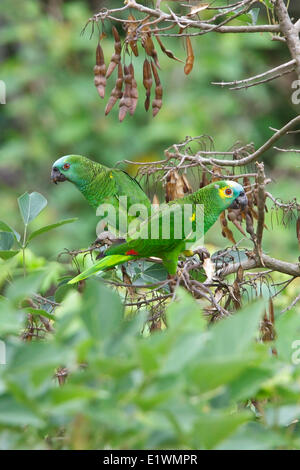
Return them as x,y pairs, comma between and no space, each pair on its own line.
202,209
97,183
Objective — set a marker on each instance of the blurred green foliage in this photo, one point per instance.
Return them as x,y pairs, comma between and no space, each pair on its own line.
191,385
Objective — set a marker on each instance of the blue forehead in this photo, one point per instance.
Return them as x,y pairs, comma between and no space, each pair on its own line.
236,187
60,161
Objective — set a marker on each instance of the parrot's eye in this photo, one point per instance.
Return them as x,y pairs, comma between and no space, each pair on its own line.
66,166
228,192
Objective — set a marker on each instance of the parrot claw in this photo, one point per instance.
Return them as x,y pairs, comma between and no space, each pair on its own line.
203,253
105,237
179,272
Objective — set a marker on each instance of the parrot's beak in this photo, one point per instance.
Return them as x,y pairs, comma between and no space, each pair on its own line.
57,176
240,202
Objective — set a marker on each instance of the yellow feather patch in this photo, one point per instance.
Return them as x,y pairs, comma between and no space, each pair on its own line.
222,192
193,217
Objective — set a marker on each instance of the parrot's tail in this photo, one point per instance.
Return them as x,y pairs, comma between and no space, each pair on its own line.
105,263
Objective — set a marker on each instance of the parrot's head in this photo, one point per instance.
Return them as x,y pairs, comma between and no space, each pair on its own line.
230,194
72,168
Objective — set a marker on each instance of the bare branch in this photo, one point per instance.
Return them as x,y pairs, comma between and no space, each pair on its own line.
187,21
292,304
287,150
269,74
289,31
261,208
292,269
242,161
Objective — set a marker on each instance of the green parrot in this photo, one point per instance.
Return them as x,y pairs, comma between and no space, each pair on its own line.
171,234
101,185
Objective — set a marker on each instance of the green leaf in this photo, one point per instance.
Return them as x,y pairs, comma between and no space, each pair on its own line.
254,15
233,336
6,240
227,352
24,286
218,372
11,320
185,349
249,382
269,4
281,415
39,311
47,228
6,228
246,18
103,311
7,254
213,427
62,291
252,436
15,414
38,355
288,336
185,314
31,205
71,392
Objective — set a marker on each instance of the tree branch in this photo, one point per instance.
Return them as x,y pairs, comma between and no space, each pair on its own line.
185,21
261,208
289,31
242,161
292,269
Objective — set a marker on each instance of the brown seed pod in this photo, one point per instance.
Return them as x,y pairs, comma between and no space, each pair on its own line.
187,188
216,173
177,186
131,35
99,72
234,216
236,297
204,181
157,102
247,186
298,230
125,101
148,45
116,58
166,51
147,82
197,8
116,93
226,232
190,57
174,186
155,201
134,91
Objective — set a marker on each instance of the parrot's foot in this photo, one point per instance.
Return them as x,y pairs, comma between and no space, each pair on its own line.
179,273
105,238
175,279
172,283
203,253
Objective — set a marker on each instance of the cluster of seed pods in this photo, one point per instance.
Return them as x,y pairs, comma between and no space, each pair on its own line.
125,90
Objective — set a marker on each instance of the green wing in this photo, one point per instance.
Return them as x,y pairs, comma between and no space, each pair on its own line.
128,186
